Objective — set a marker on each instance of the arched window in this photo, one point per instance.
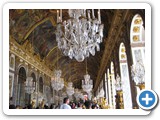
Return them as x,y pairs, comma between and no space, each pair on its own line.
137,39
21,97
125,77
41,85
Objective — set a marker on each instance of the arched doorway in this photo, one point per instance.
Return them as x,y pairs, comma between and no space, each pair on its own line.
125,77
21,97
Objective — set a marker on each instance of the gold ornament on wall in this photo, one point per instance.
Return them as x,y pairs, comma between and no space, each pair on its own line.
123,50
136,29
138,21
123,56
136,38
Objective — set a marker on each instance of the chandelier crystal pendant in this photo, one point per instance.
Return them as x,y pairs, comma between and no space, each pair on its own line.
138,72
29,85
80,35
70,89
57,81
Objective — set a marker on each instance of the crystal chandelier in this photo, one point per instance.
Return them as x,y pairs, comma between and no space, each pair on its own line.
87,83
57,81
118,83
29,85
70,89
80,35
138,72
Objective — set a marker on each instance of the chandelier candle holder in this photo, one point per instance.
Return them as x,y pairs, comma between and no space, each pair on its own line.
80,35
138,74
57,81
29,85
70,89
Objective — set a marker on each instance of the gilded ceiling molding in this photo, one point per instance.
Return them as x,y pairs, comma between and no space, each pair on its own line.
119,18
37,24
54,48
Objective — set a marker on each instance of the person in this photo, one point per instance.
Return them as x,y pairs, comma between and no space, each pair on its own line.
65,104
11,101
88,104
51,106
12,106
80,105
94,106
73,105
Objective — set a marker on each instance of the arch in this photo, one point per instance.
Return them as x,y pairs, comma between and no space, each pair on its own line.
21,97
41,85
125,77
21,65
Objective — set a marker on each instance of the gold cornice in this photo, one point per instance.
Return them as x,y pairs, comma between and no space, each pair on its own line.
19,51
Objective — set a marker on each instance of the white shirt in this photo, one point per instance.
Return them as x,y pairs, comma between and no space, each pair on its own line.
65,106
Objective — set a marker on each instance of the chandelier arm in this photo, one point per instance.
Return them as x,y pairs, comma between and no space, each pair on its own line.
68,40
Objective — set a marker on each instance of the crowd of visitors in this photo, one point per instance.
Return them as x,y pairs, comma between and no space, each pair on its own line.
87,104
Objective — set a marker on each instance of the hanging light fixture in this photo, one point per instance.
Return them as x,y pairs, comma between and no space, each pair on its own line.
80,35
70,89
87,83
118,83
138,74
57,81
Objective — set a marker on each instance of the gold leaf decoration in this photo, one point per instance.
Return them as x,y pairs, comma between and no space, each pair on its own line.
123,50
138,21
123,56
136,38
136,29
